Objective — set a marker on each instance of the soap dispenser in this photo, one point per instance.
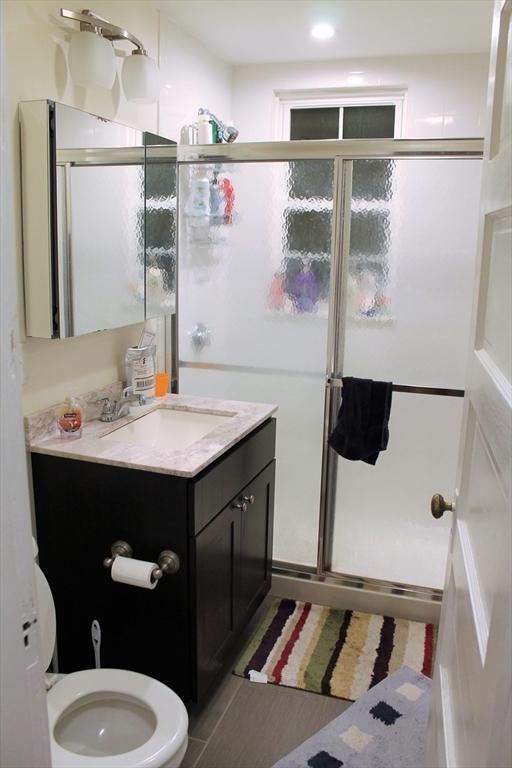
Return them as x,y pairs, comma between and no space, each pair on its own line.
70,419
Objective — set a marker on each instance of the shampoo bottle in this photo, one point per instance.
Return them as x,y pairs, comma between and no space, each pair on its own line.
204,127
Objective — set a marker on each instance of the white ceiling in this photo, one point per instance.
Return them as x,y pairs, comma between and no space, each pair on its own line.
262,31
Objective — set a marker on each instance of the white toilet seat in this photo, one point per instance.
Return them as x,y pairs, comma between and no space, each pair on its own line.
169,737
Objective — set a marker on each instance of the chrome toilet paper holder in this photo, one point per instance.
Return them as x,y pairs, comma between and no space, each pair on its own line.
168,561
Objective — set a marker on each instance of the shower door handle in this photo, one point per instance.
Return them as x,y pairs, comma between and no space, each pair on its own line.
438,506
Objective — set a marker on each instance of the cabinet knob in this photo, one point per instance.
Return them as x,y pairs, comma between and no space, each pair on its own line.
249,499
240,505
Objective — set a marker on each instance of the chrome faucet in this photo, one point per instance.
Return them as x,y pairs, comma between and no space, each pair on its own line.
113,410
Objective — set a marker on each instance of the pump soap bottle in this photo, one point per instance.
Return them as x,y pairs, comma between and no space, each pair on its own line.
70,419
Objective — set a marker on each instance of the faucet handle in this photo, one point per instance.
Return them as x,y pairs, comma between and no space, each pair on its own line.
108,404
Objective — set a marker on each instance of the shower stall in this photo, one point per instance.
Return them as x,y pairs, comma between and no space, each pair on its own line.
313,260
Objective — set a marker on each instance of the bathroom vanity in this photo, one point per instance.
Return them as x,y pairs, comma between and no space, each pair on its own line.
210,502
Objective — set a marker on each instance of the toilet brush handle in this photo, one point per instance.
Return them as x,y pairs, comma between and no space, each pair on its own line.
96,642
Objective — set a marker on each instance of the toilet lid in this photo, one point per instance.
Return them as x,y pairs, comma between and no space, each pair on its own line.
45,617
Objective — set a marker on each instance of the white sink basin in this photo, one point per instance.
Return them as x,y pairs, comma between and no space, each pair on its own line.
168,429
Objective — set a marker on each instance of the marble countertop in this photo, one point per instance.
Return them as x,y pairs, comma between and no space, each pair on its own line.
42,436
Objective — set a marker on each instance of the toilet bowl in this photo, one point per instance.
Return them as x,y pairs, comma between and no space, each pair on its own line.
108,718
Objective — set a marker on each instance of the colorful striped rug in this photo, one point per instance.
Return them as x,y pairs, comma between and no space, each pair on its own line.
335,652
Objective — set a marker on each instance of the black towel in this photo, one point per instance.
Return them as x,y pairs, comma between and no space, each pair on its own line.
361,431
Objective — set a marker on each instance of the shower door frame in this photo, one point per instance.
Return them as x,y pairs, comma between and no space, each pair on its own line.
342,152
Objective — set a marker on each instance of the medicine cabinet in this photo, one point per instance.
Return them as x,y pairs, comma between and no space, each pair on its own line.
99,213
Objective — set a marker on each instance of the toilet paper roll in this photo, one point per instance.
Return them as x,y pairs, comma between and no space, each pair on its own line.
137,573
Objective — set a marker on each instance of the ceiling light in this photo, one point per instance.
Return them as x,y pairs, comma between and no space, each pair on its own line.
92,58
322,31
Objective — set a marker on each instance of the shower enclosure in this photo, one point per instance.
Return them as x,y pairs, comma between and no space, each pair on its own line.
311,260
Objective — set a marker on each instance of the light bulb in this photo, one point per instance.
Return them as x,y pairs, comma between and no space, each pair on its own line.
92,61
322,31
140,79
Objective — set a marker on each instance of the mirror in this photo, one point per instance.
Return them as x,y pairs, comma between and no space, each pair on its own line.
99,202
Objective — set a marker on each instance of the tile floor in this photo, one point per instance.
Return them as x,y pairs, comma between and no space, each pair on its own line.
252,725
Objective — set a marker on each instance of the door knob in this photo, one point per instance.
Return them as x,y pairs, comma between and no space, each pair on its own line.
249,499
241,504
438,506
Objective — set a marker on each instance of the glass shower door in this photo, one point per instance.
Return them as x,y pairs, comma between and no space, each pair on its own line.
407,293
254,270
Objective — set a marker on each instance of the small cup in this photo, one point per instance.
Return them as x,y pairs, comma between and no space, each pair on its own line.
161,384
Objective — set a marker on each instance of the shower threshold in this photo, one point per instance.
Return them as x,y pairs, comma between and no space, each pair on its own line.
307,573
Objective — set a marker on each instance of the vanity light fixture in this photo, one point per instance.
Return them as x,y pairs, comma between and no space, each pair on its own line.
322,31
92,58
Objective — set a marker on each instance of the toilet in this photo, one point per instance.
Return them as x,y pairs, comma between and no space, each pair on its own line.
108,718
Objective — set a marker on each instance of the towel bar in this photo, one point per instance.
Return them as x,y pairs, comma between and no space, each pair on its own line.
333,381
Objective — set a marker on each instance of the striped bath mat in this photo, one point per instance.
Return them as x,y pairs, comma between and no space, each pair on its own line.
335,652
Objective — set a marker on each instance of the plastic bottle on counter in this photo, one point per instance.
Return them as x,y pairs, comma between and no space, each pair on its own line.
140,368
204,127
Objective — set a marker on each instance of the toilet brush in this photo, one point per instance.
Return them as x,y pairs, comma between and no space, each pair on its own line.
96,641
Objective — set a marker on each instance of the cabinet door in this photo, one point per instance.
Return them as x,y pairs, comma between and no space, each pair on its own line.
215,550
253,565
233,562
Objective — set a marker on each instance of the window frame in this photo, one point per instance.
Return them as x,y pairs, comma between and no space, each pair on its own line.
286,100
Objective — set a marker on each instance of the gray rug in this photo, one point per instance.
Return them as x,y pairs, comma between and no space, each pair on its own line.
384,728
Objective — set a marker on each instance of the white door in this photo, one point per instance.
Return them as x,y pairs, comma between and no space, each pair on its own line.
470,723
24,735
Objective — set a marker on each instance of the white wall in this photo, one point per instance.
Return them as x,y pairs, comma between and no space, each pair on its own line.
192,77
445,94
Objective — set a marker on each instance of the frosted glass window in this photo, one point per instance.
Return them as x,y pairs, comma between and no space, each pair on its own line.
372,180
308,231
307,182
160,225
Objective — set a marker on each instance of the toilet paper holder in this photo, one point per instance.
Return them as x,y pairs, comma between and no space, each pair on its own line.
168,561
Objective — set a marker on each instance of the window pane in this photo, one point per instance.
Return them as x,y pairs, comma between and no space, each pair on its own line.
308,231
372,180
319,123
310,182
369,232
369,122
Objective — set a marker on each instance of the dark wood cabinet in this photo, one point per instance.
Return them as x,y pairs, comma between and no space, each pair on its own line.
220,525
232,557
